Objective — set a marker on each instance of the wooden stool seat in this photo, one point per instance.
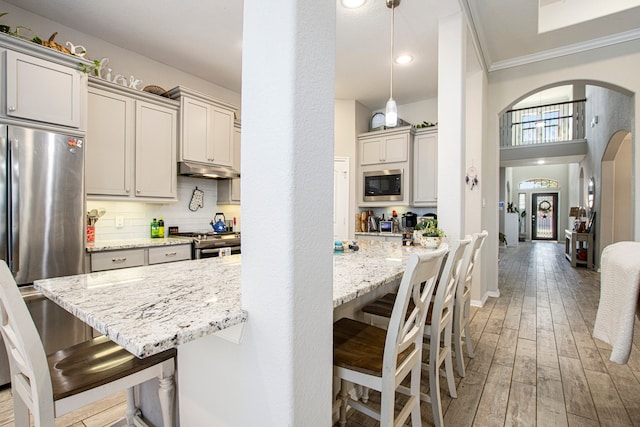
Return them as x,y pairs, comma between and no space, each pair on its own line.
360,347
94,363
48,387
382,359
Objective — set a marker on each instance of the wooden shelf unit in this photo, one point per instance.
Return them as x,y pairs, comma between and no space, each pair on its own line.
575,241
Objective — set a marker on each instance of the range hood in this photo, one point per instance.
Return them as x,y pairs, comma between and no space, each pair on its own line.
199,170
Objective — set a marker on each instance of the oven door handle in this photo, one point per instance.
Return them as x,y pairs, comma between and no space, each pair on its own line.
216,250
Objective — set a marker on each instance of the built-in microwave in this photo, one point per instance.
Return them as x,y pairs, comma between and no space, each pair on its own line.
383,185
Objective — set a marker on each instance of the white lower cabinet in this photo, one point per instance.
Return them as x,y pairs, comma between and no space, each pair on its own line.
131,145
124,258
169,254
111,260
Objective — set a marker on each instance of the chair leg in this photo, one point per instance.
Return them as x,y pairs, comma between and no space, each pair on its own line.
416,374
21,412
448,364
344,397
387,405
457,346
132,410
167,395
434,392
467,340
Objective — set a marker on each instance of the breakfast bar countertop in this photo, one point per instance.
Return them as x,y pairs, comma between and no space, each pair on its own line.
153,308
143,242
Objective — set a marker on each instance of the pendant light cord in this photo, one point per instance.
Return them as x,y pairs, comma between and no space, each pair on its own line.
393,9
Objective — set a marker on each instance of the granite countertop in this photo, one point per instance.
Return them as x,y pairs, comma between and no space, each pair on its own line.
145,242
152,308
375,233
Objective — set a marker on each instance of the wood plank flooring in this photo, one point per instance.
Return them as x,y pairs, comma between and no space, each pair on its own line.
536,363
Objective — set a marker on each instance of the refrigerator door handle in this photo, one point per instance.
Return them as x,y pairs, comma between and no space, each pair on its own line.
13,187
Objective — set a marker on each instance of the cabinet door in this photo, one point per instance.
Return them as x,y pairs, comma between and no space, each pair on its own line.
222,136
371,151
109,144
235,183
425,169
396,148
196,131
156,135
43,91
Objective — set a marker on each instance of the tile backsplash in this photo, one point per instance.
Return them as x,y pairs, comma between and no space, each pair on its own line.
137,216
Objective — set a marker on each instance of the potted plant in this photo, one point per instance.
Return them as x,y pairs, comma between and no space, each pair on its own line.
427,233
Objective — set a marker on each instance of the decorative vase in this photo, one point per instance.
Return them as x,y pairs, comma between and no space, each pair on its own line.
430,242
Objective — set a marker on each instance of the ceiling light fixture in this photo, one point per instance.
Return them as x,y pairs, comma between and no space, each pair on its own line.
403,59
391,110
352,4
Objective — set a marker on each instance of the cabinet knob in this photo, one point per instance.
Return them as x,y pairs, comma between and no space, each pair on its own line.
128,190
138,191
12,108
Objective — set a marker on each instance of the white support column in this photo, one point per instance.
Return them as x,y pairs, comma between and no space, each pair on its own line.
281,372
452,44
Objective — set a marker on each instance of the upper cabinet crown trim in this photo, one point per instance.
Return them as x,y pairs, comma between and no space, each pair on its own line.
30,48
179,91
146,96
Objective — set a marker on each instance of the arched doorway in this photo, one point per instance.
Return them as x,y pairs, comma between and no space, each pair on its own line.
616,201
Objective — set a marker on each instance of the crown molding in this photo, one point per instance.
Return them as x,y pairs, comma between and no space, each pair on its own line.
567,50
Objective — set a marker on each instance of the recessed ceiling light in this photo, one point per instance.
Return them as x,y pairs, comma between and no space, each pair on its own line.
403,59
352,4
541,162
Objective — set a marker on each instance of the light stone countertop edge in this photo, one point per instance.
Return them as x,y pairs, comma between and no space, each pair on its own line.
144,242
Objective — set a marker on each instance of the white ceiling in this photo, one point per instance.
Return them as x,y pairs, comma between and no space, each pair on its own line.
204,38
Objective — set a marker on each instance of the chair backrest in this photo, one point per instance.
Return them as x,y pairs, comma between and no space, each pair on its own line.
470,259
406,329
30,376
447,284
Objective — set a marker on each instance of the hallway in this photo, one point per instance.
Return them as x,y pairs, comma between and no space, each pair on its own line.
535,361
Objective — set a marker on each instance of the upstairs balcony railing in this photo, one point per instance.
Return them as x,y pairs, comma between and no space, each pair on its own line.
543,124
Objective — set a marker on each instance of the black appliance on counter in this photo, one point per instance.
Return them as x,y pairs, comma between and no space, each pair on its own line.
410,220
208,244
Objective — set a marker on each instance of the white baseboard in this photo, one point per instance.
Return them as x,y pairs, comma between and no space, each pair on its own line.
480,303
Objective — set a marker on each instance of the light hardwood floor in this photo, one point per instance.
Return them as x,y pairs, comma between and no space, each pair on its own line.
536,363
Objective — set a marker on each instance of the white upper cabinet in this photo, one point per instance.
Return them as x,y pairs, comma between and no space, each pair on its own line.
425,168
378,147
206,128
229,189
42,85
130,145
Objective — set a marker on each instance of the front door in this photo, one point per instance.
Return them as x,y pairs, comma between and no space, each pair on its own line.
544,220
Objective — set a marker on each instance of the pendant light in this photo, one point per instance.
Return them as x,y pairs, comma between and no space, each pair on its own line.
391,110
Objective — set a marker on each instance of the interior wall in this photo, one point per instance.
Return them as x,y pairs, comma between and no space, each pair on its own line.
418,112
614,112
351,119
613,65
622,229
121,60
559,173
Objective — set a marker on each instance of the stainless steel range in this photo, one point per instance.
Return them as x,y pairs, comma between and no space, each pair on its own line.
207,245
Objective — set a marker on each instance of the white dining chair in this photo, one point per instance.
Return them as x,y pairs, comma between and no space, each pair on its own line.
438,330
381,359
462,309
51,386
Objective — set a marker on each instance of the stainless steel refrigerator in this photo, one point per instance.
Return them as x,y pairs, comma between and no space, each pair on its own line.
42,222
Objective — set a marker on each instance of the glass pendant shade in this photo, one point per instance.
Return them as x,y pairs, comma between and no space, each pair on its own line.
391,113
